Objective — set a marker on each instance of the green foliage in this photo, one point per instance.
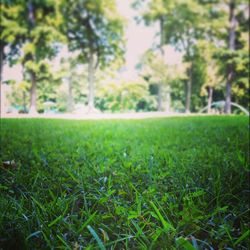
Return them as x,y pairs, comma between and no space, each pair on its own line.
237,59
30,28
125,95
41,20
32,32
75,74
206,73
47,88
10,30
35,31
182,21
176,183
20,95
157,71
94,27
186,24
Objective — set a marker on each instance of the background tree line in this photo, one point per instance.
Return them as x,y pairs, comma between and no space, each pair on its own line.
211,34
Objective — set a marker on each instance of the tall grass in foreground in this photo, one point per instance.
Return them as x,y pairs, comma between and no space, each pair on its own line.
176,183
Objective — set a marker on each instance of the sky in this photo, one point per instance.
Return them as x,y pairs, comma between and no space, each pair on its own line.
139,38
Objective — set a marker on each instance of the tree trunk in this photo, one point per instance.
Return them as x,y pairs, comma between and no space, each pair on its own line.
31,18
24,101
230,69
168,100
189,91
121,102
1,75
162,41
24,94
70,105
162,33
91,71
228,91
159,99
31,15
210,99
1,61
33,93
168,97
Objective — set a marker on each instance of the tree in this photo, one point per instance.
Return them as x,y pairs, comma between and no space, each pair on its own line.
210,74
185,26
10,31
124,95
42,23
73,73
234,12
19,95
234,16
49,80
38,22
181,24
96,29
68,67
156,12
240,88
46,89
231,46
157,71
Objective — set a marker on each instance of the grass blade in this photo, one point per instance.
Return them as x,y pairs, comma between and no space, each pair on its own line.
99,242
166,225
242,237
55,221
39,204
63,241
33,234
87,222
184,243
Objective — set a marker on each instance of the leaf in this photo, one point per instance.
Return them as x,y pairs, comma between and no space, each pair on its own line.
242,237
166,225
3,187
184,243
39,204
157,234
63,241
99,241
197,194
105,235
72,176
132,215
140,232
33,234
87,222
55,221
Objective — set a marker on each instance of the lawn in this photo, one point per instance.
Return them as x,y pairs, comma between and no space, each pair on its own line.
168,183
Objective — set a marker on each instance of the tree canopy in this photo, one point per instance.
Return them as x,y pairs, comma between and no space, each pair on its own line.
212,36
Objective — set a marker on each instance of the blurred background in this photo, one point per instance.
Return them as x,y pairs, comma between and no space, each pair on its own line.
107,56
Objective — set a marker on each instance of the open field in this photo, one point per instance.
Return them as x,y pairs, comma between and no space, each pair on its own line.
162,183
104,116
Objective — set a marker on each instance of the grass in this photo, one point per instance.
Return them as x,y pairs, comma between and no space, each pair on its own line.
174,183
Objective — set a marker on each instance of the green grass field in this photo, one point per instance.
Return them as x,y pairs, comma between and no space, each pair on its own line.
172,183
